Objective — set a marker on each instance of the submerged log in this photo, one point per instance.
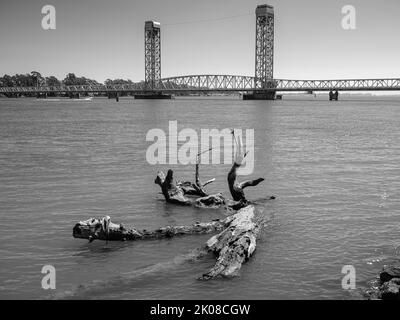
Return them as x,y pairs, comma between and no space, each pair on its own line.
173,193
104,229
211,201
234,245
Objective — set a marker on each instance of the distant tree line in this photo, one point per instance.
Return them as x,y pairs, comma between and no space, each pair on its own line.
35,79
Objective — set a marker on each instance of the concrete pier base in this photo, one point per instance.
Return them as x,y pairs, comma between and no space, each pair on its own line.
260,96
333,95
74,95
114,95
153,96
41,96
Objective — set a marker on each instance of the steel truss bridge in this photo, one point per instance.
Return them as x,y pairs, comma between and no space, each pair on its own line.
217,83
262,86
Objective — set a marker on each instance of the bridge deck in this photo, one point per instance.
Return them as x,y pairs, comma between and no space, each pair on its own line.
220,83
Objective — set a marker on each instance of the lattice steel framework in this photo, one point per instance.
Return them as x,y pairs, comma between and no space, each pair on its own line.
264,70
152,54
208,83
218,83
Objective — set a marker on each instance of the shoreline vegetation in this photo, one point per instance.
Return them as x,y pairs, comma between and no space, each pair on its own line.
35,79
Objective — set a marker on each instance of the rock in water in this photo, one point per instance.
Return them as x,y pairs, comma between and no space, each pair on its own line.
391,290
390,272
388,285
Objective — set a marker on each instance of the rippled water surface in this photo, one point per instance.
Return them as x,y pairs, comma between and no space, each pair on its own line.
334,167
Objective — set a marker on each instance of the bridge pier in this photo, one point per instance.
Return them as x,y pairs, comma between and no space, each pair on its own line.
41,96
74,95
333,95
264,67
114,95
260,96
153,95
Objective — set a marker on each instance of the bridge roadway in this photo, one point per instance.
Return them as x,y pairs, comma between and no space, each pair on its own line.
218,83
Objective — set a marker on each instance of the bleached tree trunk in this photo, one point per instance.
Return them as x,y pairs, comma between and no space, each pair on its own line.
104,229
233,245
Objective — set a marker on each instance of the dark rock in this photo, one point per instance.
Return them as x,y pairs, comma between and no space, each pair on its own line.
391,290
390,272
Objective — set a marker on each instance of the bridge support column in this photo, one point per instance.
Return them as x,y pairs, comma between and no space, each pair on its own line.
74,95
114,95
153,95
260,96
333,95
152,62
264,67
41,96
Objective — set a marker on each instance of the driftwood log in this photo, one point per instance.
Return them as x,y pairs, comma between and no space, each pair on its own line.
173,193
196,188
233,245
176,192
237,188
104,229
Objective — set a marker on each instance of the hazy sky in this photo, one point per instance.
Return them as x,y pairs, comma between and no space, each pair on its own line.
103,39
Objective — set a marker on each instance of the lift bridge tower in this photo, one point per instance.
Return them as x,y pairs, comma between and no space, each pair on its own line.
264,58
152,58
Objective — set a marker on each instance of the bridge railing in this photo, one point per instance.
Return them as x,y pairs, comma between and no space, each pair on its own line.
342,85
246,83
207,82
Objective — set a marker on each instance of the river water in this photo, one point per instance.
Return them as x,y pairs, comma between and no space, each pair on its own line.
334,167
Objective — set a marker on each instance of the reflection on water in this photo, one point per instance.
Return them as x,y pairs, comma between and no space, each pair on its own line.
334,168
